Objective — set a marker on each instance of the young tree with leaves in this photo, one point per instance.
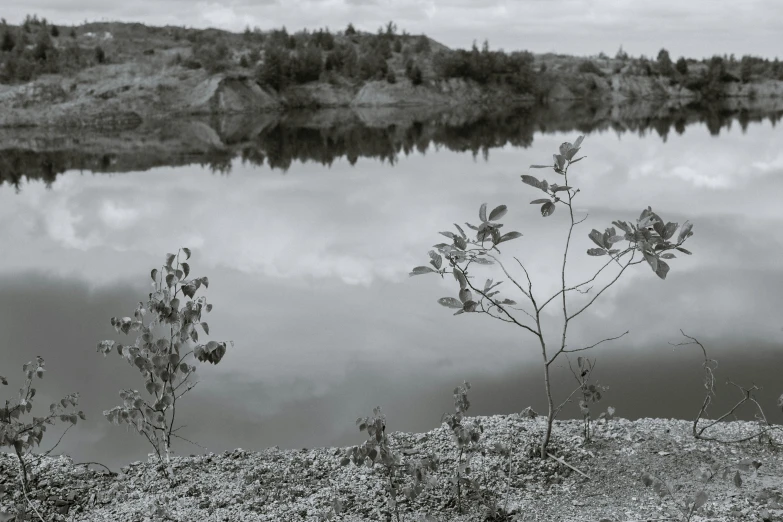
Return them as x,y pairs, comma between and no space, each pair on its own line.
650,237
161,358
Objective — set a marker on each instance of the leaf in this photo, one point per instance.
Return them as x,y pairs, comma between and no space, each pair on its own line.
498,212
205,326
508,236
668,256
559,160
470,306
540,166
685,231
209,307
652,260
577,159
539,201
614,239
547,209
560,189
461,232
737,479
483,212
700,500
449,235
450,302
465,295
436,259
597,238
662,269
571,153
596,252
460,243
187,252
185,269
154,274
171,280
530,180
669,229
170,259
684,251
460,277
421,270
508,302
578,141
205,281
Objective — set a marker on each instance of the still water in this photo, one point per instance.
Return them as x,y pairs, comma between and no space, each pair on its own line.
308,253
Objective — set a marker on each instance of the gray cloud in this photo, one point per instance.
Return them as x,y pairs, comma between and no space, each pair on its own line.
579,27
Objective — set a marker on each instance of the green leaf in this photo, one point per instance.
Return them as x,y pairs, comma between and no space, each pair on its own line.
185,269
460,277
187,252
596,252
461,232
578,141
571,153
435,259
539,201
565,147
470,306
614,239
170,259
652,260
530,180
209,307
154,274
465,295
508,302
547,209
205,281
668,256
171,280
205,326
577,159
483,212
540,166
450,302
460,243
560,188
498,213
508,236
421,270
669,229
559,160
449,235
683,250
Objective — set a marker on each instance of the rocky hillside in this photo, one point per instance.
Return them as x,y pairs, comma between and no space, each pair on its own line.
115,75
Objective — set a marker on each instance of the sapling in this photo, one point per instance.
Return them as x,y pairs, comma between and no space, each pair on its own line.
377,448
159,352
591,393
466,436
23,436
649,236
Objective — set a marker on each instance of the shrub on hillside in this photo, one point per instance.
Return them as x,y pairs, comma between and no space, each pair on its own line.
589,67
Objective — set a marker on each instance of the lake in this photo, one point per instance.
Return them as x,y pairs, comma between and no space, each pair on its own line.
307,227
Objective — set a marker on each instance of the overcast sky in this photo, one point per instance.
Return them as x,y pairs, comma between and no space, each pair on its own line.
696,28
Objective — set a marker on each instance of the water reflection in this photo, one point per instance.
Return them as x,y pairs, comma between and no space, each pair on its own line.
325,136
308,274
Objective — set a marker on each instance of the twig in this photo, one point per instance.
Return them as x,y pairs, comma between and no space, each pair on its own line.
564,463
596,344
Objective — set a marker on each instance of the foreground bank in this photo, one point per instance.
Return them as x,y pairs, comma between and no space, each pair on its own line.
274,484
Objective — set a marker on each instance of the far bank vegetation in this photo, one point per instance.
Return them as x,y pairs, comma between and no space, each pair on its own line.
350,57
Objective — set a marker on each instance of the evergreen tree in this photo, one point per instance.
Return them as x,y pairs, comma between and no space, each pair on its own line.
682,66
665,63
54,31
8,42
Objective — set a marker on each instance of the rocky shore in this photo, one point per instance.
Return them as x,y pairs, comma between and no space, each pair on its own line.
300,485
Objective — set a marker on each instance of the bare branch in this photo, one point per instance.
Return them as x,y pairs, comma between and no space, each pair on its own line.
596,344
606,287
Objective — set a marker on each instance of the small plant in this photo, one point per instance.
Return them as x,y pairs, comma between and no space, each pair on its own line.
689,505
467,437
710,365
23,436
377,448
161,358
591,393
650,236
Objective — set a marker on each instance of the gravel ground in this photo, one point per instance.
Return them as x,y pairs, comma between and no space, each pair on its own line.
299,485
